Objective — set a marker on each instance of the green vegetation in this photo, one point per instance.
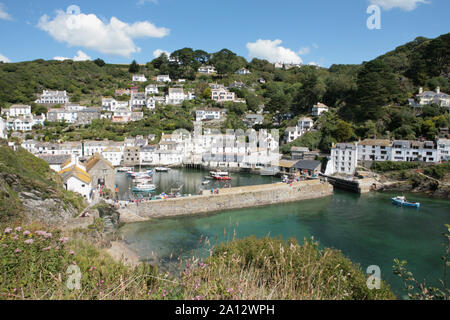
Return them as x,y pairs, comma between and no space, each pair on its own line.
20,171
394,166
35,264
366,101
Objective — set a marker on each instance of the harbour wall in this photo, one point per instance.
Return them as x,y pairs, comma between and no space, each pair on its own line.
227,199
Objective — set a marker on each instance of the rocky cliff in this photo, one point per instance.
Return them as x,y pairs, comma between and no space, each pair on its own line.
31,191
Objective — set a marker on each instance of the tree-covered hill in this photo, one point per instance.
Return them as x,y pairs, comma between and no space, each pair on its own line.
366,100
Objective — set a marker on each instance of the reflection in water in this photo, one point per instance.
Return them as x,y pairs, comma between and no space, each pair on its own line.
190,180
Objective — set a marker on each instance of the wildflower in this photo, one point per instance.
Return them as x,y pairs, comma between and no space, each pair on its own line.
17,250
63,240
4,245
71,252
26,233
18,229
197,285
229,290
47,249
29,241
48,235
198,297
8,230
15,290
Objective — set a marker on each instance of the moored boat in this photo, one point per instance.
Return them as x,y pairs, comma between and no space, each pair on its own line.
222,178
219,173
161,169
144,188
124,169
401,201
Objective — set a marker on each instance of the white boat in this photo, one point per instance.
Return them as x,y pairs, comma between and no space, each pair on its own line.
142,180
124,169
219,173
161,169
144,188
206,182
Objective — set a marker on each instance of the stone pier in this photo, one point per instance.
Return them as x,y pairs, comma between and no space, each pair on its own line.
227,199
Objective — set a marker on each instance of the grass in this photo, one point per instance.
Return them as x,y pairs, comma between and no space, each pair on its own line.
35,265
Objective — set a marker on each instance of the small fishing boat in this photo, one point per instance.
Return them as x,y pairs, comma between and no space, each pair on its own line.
219,173
125,169
222,178
142,180
401,201
144,188
144,174
161,169
206,182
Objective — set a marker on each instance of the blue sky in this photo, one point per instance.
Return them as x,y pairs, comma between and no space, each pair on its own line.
321,31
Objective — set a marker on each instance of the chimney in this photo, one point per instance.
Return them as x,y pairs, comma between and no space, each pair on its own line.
438,90
420,90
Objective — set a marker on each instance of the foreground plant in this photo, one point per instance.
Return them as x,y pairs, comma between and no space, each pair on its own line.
419,290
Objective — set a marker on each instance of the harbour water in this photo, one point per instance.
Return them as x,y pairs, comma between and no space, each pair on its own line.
190,180
366,228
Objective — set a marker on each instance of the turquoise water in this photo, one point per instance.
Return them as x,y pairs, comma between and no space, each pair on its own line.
368,229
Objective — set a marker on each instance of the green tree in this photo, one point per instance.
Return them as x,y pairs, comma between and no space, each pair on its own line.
134,67
377,87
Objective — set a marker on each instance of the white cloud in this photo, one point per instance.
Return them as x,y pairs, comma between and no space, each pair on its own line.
81,56
88,31
143,2
3,14
304,50
406,5
158,52
4,59
272,51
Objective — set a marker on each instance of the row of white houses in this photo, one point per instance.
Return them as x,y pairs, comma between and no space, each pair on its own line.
207,149
345,156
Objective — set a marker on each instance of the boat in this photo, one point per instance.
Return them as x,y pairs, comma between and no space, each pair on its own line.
222,178
401,201
144,188
206,182
161,169
125,169
271,171
142,180
219,173
144,174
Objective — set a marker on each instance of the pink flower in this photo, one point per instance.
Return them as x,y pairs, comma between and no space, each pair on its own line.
15,237
198,297
26,233
47,249
71,252
230,290
17,251
29,241
8,230
4,245
15,290
63,240
48,235
18,229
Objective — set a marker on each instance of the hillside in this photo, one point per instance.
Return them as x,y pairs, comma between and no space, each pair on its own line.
366,100
31,191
